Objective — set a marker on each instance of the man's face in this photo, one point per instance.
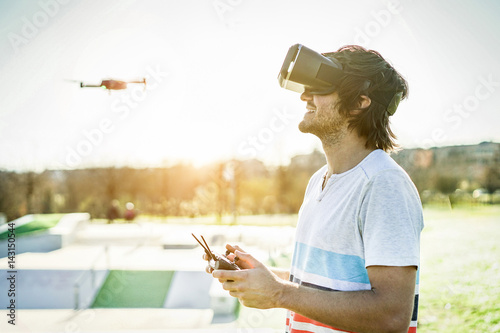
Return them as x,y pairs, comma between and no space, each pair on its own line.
322,118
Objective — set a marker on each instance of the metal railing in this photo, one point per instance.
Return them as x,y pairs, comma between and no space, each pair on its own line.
90,273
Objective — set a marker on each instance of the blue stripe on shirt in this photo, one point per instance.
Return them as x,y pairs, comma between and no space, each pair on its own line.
332,265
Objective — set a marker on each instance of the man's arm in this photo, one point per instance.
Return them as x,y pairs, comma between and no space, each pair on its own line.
387,307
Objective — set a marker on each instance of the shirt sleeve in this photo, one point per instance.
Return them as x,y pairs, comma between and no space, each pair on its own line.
390,220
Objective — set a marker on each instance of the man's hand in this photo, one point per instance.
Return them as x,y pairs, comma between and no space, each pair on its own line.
231,256
255,285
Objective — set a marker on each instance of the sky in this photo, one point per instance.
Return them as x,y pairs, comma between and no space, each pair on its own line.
211,68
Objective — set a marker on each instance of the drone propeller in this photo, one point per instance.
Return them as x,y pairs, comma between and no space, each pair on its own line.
142,81
75,81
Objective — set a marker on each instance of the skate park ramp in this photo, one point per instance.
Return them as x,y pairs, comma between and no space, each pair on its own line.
134,289
52,289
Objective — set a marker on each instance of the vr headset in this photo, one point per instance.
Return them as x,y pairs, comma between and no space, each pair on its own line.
304,69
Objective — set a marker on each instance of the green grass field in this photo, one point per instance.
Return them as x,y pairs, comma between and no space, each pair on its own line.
460,270
41,223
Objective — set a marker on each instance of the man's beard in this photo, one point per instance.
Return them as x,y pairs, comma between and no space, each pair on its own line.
330,128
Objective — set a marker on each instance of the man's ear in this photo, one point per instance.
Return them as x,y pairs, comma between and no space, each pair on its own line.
364,102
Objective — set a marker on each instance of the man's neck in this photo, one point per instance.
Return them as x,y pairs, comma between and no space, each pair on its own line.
346,154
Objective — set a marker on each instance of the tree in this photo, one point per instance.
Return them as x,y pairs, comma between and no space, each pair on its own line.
11,199
492,179
446,184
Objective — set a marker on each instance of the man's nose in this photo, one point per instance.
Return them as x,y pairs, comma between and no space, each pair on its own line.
306,96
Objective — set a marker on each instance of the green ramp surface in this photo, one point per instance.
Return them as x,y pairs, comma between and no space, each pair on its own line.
40,223
134,289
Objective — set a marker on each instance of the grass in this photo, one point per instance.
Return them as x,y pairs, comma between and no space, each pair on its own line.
134,289
41,223
460,273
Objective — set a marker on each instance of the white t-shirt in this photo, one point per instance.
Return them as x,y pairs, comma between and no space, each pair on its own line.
368,215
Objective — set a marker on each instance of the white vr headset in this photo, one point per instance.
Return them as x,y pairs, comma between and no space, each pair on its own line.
304,69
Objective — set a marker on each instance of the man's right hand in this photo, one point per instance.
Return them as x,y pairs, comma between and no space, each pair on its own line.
231,256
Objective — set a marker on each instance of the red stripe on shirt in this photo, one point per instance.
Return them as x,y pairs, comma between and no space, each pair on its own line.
300,318
299,331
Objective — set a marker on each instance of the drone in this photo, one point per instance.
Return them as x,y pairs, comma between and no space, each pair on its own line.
111,84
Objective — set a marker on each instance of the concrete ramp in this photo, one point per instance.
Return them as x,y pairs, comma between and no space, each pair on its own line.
199,290
189,290
51,289
44,240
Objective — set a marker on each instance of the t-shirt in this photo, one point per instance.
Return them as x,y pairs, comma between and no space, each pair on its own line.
368,215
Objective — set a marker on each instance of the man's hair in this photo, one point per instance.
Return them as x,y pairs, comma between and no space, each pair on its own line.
372,122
